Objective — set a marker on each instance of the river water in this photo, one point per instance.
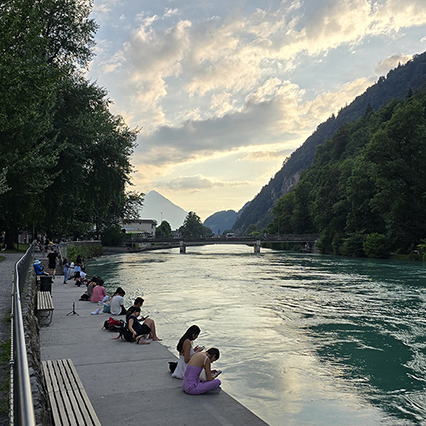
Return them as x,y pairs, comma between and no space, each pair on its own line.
304,339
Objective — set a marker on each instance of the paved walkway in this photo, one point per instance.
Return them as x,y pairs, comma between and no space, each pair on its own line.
128,384
6,278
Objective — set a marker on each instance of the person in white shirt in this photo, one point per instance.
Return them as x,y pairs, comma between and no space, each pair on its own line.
117,303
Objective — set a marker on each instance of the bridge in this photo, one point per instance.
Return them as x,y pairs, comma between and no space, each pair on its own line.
306,241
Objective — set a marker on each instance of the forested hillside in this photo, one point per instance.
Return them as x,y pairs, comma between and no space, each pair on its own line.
395,86
366,189
65,159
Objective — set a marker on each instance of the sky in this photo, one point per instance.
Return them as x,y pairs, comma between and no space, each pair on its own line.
223,91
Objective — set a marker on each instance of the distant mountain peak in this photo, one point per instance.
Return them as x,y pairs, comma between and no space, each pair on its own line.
159,208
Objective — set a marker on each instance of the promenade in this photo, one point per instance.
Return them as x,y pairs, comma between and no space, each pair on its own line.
128,384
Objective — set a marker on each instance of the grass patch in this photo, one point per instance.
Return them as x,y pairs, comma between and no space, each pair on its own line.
5,349
2,258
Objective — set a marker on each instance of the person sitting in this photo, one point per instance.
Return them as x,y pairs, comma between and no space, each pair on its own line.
199,362
99,294
38,268
117,303
186,351
91,285
140,332
136,304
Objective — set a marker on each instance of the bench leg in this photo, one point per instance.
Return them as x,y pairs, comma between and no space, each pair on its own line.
45,315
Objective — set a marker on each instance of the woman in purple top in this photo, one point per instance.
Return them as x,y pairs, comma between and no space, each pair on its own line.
201,361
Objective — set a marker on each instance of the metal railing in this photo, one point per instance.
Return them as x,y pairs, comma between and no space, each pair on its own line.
21,401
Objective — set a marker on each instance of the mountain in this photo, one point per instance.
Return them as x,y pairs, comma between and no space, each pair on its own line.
220,221
157,207
396,85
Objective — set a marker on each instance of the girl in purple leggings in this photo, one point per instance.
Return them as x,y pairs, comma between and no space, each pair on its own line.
198,362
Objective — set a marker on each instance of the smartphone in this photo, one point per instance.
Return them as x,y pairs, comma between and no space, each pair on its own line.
218,372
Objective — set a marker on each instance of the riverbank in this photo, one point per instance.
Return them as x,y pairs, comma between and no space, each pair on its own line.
127,383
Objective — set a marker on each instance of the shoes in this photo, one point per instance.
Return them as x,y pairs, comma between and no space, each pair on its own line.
97,312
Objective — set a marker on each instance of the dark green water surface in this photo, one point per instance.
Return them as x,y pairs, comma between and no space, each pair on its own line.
304,339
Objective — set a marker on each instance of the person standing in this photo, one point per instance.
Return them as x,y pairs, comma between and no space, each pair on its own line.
66,268
52,258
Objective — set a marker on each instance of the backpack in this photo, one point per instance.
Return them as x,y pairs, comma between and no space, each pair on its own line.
112,324
118,326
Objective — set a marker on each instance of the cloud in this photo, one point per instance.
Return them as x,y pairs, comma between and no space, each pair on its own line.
275,115
391,62
197,183
212,63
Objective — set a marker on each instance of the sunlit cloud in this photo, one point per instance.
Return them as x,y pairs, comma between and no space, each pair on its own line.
393,61
197,183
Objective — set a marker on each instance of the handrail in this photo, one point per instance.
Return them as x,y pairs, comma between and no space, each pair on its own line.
22,409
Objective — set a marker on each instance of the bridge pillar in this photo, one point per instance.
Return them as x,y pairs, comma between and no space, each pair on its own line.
257,246
182,247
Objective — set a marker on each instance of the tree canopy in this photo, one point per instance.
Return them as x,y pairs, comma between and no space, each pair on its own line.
65,158
192,227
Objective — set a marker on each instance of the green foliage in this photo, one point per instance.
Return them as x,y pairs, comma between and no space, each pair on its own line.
164,230
352,245
112,236
192,227
421,248
367,182
376,246
65,157
86,251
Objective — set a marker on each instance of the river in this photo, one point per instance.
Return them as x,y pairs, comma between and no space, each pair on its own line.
304,339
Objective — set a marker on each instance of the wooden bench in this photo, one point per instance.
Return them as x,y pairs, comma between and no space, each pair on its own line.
68,400
44,307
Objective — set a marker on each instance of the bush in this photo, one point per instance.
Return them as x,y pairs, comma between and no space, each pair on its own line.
112,236
352,245
377,246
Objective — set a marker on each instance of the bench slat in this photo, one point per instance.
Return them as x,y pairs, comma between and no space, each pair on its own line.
69,401
45,306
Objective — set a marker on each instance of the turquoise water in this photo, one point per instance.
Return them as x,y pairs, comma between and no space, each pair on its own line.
304,339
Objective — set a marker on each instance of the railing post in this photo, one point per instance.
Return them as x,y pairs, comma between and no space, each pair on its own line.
182,247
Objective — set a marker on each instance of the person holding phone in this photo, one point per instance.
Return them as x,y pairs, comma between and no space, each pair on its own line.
186,351
201,361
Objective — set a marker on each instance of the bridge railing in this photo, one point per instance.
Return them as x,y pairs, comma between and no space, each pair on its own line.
271,238
21,402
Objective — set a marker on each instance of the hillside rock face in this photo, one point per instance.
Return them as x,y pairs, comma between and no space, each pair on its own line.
396,85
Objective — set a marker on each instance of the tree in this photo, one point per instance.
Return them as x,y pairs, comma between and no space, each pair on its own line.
192,227
65,157
164,230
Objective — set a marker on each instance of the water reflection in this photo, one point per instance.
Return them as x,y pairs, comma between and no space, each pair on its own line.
304,339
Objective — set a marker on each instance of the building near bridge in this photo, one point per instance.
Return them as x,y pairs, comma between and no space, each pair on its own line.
140,227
